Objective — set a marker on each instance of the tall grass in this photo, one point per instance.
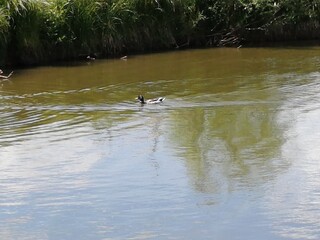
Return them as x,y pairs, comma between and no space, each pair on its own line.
37,31
145,24
4,29
70,26
24,36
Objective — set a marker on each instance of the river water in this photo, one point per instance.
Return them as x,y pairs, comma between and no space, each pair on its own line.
232,153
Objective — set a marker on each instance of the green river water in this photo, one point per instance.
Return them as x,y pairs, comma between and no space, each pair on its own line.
232,153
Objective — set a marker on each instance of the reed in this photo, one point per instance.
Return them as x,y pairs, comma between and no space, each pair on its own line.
4,28
145,25
38,31
4,25
71,27
23,41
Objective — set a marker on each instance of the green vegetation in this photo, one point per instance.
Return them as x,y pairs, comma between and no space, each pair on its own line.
39,31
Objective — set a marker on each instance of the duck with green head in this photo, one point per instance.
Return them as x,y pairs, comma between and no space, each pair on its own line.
150,101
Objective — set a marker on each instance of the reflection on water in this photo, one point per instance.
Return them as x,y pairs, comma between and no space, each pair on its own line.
232,152
230,144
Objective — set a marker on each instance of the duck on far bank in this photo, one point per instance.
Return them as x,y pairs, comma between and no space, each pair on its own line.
90,58
150,101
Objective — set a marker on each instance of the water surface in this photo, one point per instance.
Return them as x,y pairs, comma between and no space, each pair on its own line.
233,152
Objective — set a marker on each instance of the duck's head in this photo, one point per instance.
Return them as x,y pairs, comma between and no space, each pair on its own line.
140,98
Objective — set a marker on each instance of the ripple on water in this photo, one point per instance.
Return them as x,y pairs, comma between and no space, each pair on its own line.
18,125
49,116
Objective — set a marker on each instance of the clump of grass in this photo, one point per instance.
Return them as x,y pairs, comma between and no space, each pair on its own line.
70,26
25,18
4,25
4,29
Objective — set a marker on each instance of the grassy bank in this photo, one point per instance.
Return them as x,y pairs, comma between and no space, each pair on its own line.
41,31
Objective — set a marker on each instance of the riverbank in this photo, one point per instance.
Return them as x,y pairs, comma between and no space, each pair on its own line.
36,32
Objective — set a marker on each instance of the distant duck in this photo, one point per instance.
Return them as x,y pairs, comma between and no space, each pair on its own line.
90,58
87,57
150,101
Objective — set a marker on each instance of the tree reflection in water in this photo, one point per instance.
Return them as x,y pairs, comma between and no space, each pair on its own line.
228,147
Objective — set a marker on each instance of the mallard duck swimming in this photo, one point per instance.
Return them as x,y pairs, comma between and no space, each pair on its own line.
150,101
